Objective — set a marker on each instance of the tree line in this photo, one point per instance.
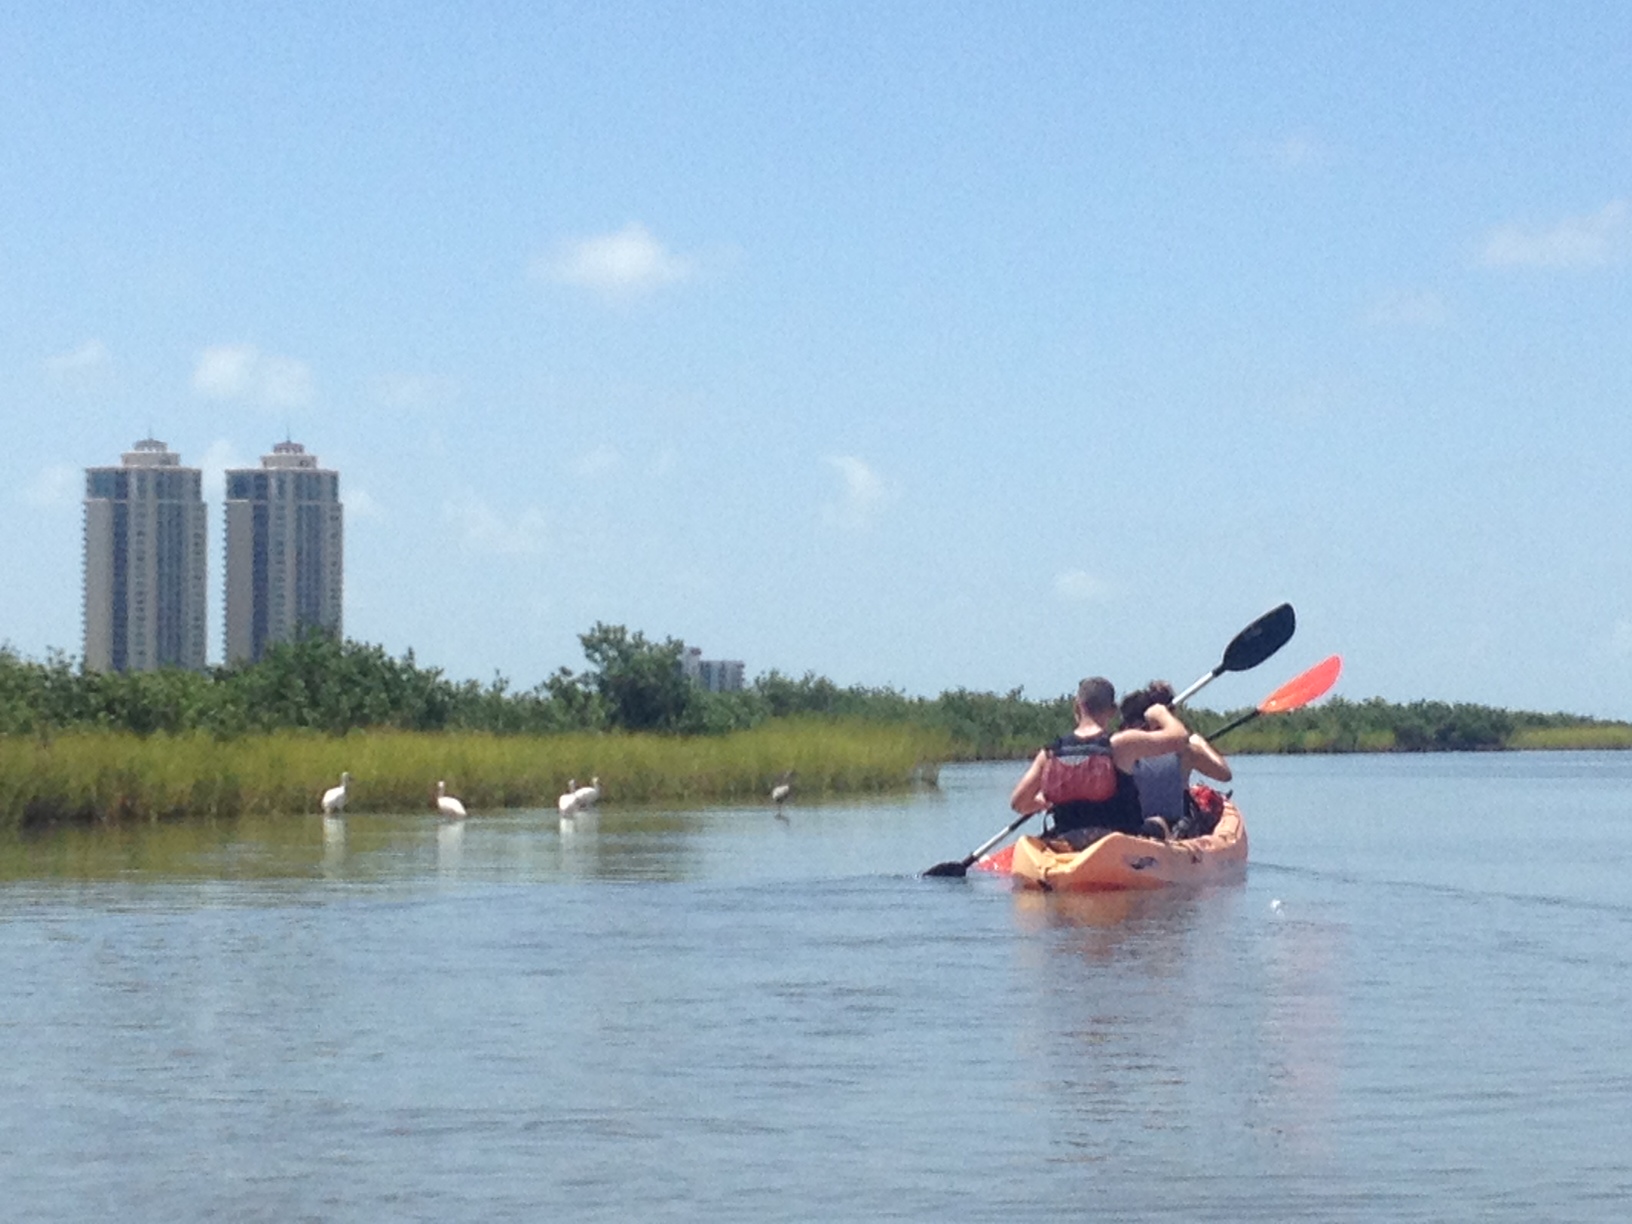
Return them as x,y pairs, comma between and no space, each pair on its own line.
1374,725
331,685
631,683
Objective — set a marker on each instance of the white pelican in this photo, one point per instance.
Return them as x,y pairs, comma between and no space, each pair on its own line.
334,799
447,804
568,802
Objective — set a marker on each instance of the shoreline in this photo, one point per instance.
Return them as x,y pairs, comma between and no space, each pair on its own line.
115,777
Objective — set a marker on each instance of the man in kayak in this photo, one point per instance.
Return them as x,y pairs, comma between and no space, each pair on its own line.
1086,778
1164,781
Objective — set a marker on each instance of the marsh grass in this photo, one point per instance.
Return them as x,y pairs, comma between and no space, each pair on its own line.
112,776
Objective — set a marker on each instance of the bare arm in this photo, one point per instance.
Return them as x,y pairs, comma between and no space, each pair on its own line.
1167,734
1028,792
1202,757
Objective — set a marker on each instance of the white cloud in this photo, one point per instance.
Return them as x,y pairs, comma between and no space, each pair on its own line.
57,485
1079,586
482,529
862,495
1408,308
85,368
243,372
1575,242
625,263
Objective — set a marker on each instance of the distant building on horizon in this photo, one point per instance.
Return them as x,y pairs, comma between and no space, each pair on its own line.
715,675
284,551
145,557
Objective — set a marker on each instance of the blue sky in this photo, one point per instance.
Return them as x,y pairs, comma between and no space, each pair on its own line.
913,344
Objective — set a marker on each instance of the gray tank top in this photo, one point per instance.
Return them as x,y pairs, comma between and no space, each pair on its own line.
1161,786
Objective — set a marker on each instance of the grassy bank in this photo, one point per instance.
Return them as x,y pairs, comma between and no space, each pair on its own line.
114,776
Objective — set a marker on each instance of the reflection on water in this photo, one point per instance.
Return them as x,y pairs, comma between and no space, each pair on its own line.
1035,910
517,845
1111,1003
1302,1035
450,846
334,844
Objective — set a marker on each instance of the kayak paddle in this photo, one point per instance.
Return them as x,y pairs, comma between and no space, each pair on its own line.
960,868
1293,695
1249,648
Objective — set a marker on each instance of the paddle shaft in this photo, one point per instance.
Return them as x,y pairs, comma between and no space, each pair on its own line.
968,860
1197,687
1233,724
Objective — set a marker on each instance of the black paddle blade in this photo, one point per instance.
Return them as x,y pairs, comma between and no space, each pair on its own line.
1260,639
954,870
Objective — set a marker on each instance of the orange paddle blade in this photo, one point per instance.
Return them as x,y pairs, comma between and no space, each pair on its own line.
1301,690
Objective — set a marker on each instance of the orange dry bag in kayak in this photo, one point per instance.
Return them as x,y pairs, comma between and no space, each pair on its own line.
1079,771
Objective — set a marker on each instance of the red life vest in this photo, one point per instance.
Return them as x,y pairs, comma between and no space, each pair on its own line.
1079,770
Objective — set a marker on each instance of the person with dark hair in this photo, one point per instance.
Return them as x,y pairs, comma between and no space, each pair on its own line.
1085,778
1164,781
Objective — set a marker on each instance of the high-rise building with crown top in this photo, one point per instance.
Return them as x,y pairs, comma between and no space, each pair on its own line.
145,558
285,541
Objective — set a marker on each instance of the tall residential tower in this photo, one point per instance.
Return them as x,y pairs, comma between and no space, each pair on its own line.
145,556
284,551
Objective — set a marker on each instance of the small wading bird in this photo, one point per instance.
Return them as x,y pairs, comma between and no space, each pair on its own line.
781,791
447,805
334,799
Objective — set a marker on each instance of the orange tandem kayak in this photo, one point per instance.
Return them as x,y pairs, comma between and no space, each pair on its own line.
1120,861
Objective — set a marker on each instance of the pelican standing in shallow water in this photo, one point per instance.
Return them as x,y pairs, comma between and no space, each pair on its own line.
334,799
447,805
567,804
781,791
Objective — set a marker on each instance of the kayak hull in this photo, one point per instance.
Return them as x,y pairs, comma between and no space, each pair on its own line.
1119,861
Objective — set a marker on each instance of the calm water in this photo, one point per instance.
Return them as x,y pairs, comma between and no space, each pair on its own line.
1416,1007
